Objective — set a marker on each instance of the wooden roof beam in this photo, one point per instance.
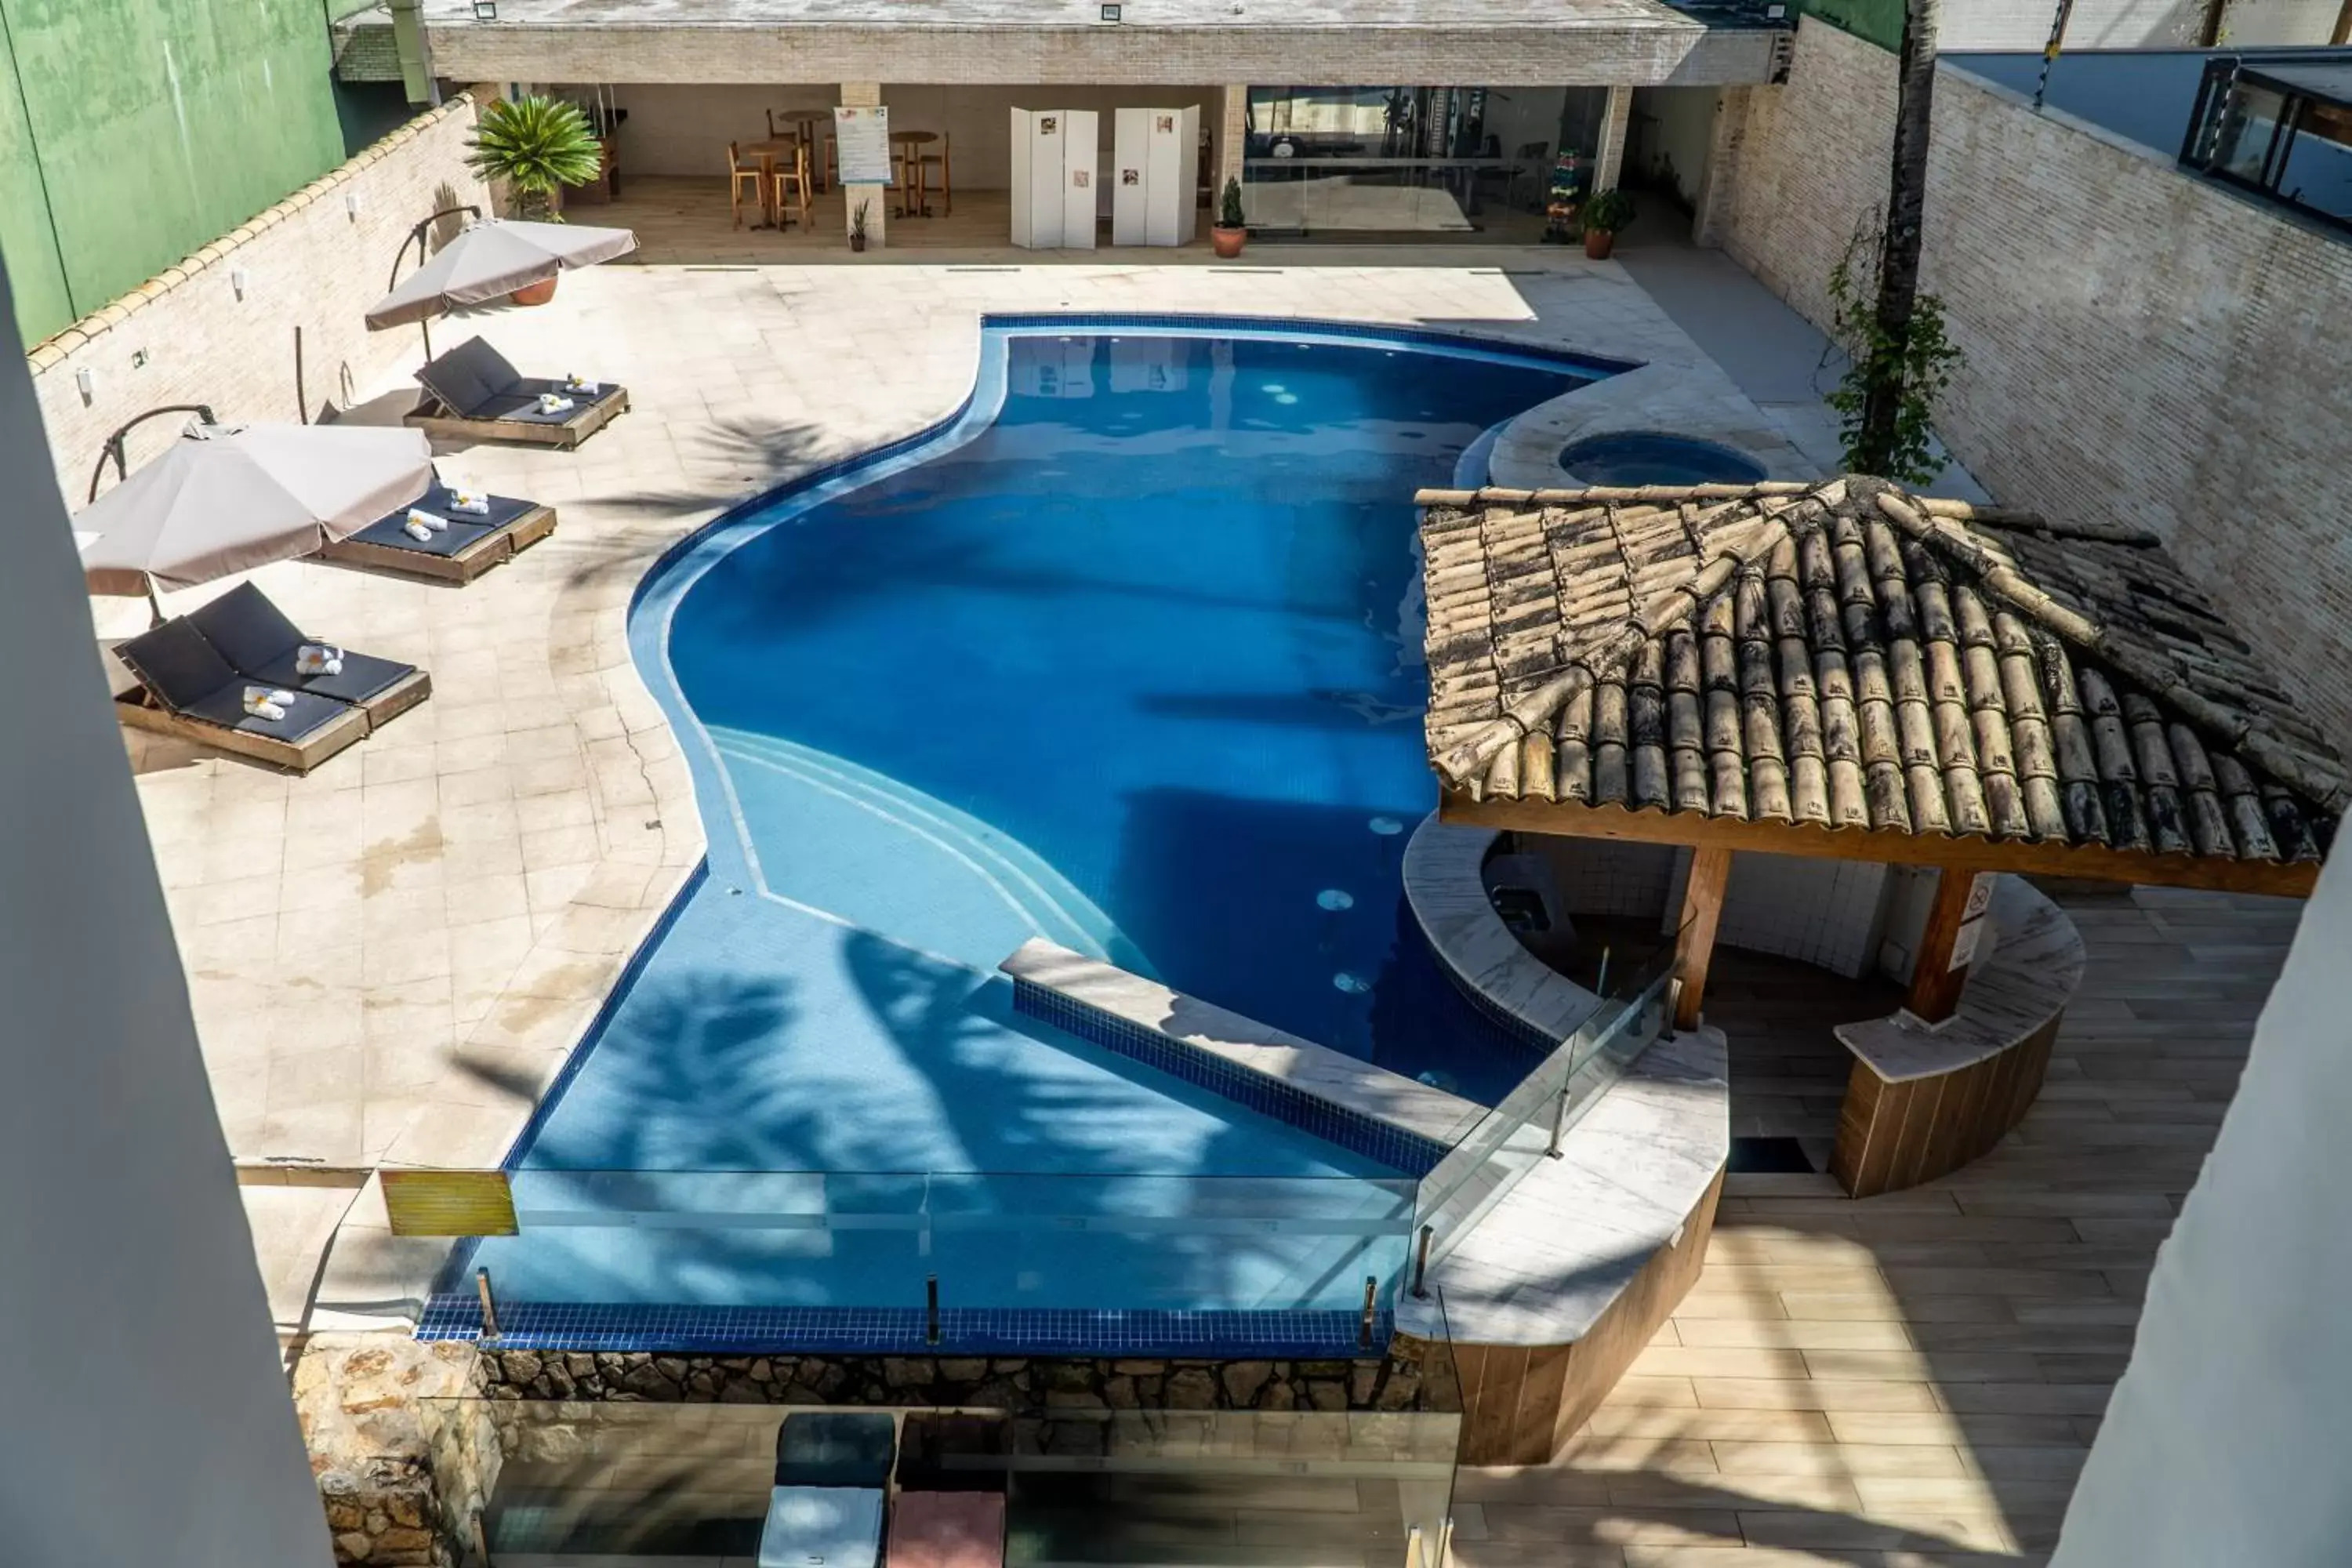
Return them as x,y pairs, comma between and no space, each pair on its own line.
1886,847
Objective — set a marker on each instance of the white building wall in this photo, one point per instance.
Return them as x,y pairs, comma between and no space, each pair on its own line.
2226,1441
148,1421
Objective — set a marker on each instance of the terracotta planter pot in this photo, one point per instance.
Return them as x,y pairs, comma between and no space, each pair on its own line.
1599,242
1228,241
533,293
857,242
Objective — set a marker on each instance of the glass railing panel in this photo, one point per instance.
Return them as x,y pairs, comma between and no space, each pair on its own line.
533,1480
1525,1127
964,1240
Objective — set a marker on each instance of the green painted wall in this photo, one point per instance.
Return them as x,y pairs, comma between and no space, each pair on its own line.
26,238
1877,21
155,126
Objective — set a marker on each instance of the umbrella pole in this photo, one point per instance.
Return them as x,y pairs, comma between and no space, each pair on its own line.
154,604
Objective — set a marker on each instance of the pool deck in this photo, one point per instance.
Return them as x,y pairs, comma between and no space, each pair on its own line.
390,957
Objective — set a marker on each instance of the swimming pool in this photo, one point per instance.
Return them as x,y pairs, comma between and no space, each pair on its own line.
1128,657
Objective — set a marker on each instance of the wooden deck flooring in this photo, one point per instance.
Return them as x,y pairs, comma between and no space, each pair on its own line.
1915,1379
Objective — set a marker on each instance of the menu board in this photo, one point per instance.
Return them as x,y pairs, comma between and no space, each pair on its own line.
862,140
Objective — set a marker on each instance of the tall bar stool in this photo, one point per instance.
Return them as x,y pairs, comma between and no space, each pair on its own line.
737,175
793,174
939,159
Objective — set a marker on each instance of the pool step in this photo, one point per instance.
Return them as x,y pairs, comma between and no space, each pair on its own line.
1380,1115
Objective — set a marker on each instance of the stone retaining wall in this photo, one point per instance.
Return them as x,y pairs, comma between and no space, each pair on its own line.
1403,1379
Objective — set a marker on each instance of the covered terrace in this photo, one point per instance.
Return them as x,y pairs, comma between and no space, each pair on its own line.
1746,705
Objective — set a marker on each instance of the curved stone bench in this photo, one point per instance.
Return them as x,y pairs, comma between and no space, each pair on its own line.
1925,1100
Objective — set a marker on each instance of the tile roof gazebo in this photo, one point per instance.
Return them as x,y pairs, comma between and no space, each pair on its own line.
1848,670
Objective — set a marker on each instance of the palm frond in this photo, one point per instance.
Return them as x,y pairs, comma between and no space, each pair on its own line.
535,145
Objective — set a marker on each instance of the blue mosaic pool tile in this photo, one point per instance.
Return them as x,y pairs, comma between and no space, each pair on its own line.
896,1331
1352,1130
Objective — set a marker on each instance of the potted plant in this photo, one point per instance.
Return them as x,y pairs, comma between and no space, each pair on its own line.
1604,215
1231,230
538,147
857,225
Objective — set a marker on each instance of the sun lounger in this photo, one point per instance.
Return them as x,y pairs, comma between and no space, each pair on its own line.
186,689
840,1527
471,392
261,644
953,1451
468,547
948,1530
833,1475
835,1449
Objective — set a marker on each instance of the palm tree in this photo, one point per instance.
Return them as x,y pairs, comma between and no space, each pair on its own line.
535,145
1884,370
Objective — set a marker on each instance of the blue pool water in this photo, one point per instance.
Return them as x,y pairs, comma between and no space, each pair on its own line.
1129,659
1655,457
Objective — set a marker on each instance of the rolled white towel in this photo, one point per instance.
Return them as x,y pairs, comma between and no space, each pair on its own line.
473,501
582,383
416,530
550,403
263,702
434,522
318,658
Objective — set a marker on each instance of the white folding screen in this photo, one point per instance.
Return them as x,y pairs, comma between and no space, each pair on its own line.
1153,152
1079,193
1054,191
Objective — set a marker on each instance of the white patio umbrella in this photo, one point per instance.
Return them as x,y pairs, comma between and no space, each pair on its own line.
228,498
492,259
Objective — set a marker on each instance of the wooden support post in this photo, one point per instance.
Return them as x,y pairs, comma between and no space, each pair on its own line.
1939,973
1702,911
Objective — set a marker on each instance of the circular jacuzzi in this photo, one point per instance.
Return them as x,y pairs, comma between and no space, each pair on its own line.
1656,457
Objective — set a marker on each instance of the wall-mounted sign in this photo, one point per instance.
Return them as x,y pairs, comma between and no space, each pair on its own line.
1971,934
448,1203
862,139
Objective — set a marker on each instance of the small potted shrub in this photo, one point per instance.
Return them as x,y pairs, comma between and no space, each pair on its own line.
1604,215
857,225
1231,230
536,146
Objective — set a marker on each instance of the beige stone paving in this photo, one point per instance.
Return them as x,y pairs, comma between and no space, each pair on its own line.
390,958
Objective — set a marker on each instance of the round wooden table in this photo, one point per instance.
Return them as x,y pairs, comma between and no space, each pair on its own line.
908,146
808,120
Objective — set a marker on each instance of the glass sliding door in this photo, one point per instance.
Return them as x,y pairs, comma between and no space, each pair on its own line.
1408,162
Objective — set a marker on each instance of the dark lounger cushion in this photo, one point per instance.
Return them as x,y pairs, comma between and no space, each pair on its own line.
468,377
258,640
522,402
308,711
175,663
463,528
835,1449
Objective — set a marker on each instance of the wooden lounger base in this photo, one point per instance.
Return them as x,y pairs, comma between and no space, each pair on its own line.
346,729
461,567
397,698
526,432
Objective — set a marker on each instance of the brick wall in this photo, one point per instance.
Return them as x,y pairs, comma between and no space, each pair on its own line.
187,337
2143,348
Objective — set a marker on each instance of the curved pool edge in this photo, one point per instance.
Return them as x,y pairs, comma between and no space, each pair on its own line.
680,564
674,572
